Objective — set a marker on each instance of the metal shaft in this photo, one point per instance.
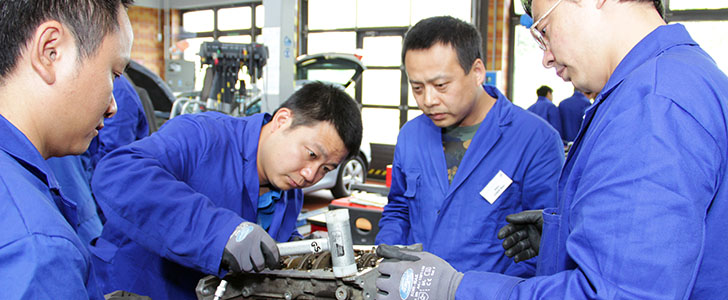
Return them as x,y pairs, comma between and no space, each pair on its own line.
340,242
303,247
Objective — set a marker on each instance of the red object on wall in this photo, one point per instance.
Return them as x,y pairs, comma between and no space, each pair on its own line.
389,176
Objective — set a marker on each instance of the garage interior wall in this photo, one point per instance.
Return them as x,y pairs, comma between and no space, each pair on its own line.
497,39
147,24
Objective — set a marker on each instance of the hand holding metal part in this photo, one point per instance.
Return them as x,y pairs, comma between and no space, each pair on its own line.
250,248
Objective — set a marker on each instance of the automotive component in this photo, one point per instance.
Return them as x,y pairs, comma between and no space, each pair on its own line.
308,276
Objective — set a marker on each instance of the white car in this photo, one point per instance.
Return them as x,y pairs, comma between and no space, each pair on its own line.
342,69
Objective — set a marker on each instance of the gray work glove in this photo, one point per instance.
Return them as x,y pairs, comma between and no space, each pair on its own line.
521,238
123,295
250,248
409,274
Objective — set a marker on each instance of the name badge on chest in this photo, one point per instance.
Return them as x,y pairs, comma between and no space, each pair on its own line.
496,187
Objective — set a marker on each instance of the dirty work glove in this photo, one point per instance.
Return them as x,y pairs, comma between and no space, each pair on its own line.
521,238
250,248
408,274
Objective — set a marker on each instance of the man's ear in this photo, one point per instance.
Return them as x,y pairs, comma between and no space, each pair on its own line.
44,49
282,117
479,70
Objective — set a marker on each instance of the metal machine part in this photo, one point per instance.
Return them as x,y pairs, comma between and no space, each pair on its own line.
307,276
226,61
340,243
303,247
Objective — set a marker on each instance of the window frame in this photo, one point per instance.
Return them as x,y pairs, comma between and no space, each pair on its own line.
216,33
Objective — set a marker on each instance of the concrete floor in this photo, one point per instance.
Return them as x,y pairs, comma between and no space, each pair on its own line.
317,199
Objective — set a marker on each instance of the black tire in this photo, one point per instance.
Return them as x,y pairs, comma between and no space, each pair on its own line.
353,170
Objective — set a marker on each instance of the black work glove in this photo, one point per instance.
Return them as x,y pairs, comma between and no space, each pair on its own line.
521,238
250,248
410,274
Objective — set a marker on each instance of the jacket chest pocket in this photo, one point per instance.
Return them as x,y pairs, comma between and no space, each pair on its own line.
411,181
413,193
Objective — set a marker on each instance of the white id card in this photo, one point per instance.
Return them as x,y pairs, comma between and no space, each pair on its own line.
496,187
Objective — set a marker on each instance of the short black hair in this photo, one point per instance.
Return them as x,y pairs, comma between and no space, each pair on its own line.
657,3
543,91
462,36
322,102
89,21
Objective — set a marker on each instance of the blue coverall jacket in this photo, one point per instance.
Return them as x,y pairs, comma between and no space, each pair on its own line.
172,200
545,109
454,221
73,172
571,112
41,257
643,198
75,184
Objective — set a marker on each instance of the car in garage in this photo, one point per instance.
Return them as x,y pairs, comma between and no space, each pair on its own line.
344,70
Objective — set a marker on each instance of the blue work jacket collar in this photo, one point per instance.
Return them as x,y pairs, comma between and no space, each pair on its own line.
488,134
542,98
17,145
502,110
659,40
251,134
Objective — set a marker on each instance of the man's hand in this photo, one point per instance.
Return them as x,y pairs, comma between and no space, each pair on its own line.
250,248
521,238
409,274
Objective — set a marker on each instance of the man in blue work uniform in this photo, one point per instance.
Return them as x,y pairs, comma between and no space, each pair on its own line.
205,194
469,160
57,68
545,109
571,112
73,172
642,199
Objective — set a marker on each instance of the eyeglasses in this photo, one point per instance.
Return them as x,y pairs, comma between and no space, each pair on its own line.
540,39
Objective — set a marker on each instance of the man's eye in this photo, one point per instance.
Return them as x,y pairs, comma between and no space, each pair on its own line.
311,154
